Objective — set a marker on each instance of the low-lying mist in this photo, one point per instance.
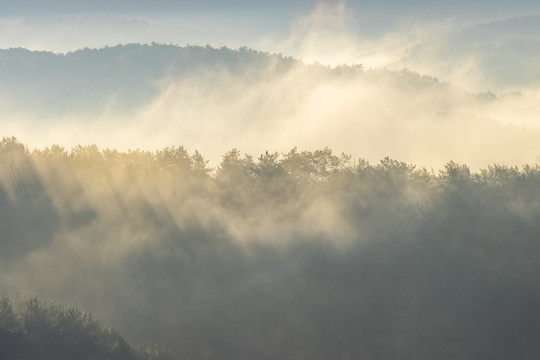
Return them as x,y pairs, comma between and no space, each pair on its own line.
294,255
153,96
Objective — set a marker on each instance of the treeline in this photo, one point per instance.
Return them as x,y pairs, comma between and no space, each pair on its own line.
306,254
306,167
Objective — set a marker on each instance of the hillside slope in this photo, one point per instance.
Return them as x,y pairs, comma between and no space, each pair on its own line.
32,329
306,254
123,76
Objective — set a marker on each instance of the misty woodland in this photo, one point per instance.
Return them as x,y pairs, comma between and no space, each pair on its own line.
296,255
215,99
365,185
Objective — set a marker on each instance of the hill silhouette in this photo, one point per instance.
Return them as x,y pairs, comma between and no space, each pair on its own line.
32,329
122,77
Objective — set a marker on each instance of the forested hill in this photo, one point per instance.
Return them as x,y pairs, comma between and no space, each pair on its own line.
302,255
123,75
37,330
124,78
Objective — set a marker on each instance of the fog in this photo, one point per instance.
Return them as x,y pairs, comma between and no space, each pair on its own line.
153,96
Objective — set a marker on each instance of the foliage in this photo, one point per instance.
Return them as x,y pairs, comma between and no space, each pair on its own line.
299,255
31,329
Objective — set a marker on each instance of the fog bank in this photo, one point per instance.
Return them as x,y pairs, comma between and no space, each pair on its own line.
215,99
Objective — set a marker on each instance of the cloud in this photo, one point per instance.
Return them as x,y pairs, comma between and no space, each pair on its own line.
479,54
498,56
322,35
365,113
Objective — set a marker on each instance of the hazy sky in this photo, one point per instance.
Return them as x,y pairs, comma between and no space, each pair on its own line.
392,7
227,22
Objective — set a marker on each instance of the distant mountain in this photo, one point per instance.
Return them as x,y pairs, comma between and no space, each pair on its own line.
120,77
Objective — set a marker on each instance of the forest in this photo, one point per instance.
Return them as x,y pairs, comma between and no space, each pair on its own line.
31,329
306,254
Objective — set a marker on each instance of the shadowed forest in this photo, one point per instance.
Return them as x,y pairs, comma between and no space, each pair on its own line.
296,255
30,329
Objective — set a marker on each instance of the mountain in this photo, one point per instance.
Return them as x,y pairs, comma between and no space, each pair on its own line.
122,77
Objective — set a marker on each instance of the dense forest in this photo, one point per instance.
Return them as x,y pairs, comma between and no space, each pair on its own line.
296,255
